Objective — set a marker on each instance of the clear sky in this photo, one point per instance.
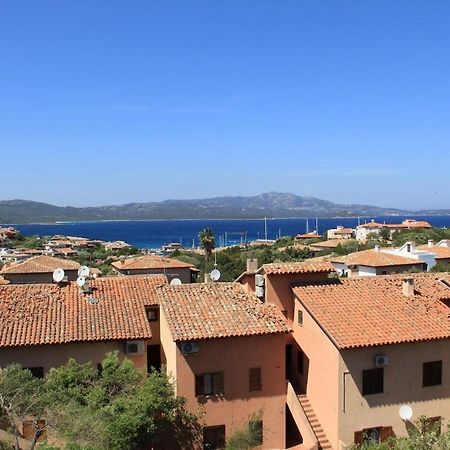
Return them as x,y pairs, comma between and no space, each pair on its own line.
105,101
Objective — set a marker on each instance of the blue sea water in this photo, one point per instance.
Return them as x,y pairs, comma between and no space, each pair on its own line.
154,233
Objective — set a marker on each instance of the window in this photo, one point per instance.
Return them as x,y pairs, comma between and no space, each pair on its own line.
256,430
432,373
432,425
214,437
300,317
375,434
300,362
372,381
254,379
209,384
37,372
152,314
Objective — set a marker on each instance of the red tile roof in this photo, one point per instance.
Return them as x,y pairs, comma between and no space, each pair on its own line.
40,264
372,225
36,314
311,235
296,267
150,262
369,311
217,310
375,258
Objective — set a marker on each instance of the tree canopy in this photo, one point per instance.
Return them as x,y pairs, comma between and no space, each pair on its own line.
113,408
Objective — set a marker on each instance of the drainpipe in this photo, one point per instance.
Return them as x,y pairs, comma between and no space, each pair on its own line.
344,374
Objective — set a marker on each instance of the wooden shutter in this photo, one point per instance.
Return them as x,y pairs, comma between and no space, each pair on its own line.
358,437
386,433
254,379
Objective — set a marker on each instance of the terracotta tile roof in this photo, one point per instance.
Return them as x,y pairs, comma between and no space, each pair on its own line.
150,262
36,314
342,231
296,267
312,235
440,252
368,311
409,223
217,310
41,264
331,243
371,225
375,258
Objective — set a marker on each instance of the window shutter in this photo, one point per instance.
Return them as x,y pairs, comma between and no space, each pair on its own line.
255,383
199,385
386,433
358,437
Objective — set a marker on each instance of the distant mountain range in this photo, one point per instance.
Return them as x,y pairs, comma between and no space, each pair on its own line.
272,204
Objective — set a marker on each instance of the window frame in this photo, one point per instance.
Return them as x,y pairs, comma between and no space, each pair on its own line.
209,384
371,386
429,375
255,379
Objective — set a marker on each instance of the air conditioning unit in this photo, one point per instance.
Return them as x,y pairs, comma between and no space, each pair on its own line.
189,347
381,360
259,280
134,347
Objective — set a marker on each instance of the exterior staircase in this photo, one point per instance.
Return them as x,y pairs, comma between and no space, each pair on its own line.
324,443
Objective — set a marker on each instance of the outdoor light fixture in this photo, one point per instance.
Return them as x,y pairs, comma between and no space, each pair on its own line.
405,412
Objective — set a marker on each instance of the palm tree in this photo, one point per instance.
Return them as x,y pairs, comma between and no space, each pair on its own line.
207,241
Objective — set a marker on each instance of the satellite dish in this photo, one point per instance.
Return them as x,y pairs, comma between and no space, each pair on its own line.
405,412
175,282
215,274
81,281
84,271
58,275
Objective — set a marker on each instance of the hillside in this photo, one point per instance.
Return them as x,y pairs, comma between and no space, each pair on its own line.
271,204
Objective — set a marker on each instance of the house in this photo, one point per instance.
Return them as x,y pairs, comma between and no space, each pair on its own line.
39,269
311,235
43,325
372,227
340,232
410,250
441,250
116,245
226,352
375,262
330,245
370,345
155,264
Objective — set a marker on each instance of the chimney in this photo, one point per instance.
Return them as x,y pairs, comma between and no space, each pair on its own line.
252,265
430,242
408,286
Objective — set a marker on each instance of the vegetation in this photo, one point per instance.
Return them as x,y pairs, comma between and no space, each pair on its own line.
207,241
249,438
422,435
114,408
420,237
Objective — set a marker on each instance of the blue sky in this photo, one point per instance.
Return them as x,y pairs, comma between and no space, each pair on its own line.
115,101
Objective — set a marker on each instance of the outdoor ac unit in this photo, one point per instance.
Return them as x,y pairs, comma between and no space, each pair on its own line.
189,347
259,280
134,347
381,360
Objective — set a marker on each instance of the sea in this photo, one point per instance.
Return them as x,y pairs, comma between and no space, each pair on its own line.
152,234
